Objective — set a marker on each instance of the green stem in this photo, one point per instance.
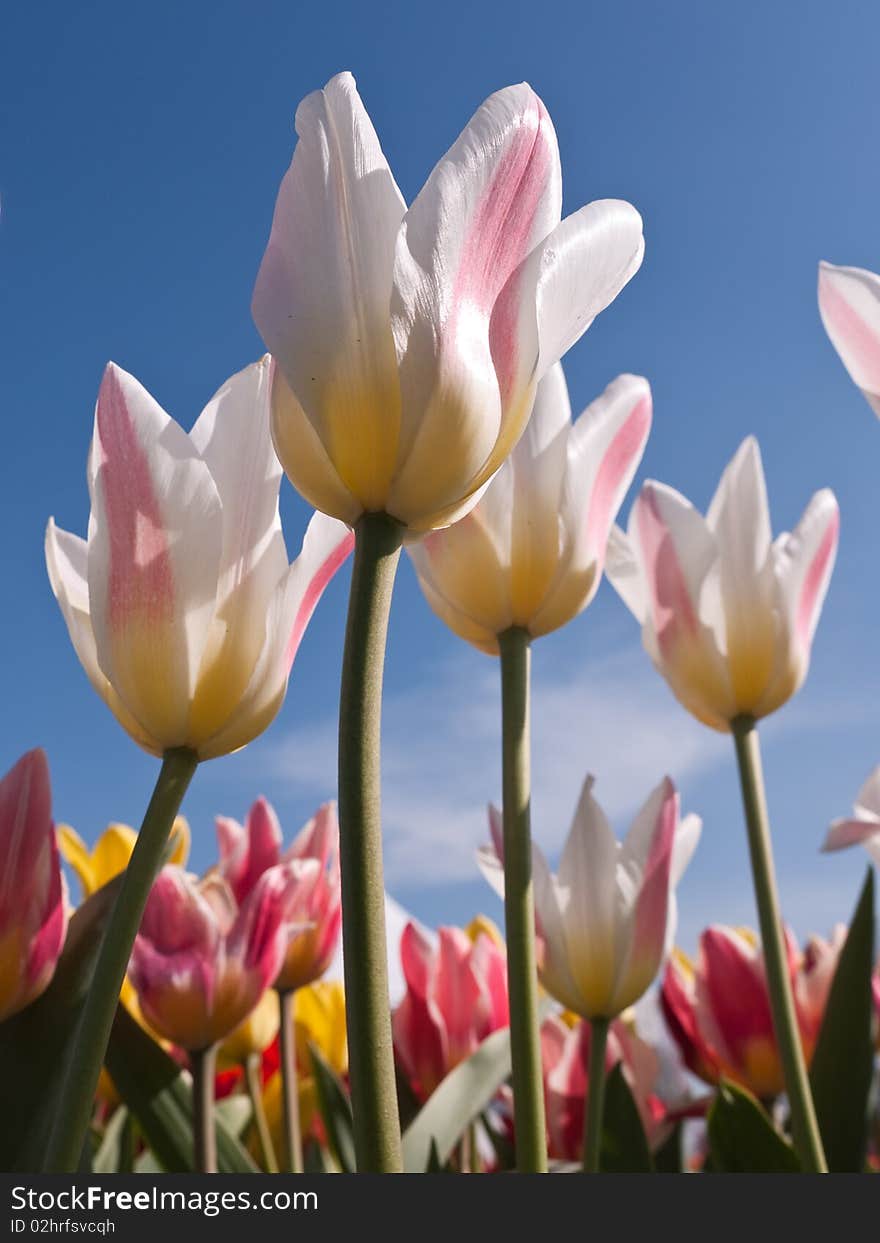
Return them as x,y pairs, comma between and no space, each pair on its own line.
378,541
204,1068
805,1129
73,1108
519,905
261,1122
289,1085
595,1111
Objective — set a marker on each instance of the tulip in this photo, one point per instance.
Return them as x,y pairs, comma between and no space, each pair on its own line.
727,616
33,896
719,1010
606,920
246,851
112,851
456,996
186,616
849,303
408,347
316,906
530,554
864,826
566,1056
409,341
728,619
181,604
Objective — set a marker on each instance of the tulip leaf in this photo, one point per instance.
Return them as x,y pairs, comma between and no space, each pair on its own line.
842,1067
159,1096
335,1110
34,1041
742,1138
115,1154
453,1106
624,1146
668,1159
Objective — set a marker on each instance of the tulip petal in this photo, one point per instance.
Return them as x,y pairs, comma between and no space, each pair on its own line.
468,563
491,199
868,798
321,300
579,270
687,837
67,564
153,555
588,899
624,572
804,562
739,518
849,303
326,546
844,833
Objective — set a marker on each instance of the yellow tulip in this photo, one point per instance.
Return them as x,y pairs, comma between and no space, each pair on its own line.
111,852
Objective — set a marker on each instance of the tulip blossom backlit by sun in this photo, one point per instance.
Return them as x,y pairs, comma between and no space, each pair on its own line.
727,613
181,604
33,896
849,303
606,919
531,552
409,341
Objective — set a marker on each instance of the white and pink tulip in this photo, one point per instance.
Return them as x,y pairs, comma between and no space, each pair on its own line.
409,341
849,303
606,919
531,552
181,603
727,613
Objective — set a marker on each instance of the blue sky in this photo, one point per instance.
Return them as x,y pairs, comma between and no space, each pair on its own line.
140,152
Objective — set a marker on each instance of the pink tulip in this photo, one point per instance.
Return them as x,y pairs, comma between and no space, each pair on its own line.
606,919
849,303
456,996
181,604
33,914
200,961
565,1053
719,1011
246,852
863,827
728,613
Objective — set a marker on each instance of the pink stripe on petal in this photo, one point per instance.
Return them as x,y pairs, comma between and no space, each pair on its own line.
626,447
141,579
313,594
499,239
652,904
858,340
814,581
671,605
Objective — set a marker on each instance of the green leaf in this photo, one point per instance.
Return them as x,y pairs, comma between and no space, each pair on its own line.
668,1159
742,1139
34,1042
235,1112
842,1067
335,1110
159,1096
504,1149
115,1152
453,1106
624,1146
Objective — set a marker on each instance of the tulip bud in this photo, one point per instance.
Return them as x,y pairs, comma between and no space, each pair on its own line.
200,962
181,604
316,903
728,616
409,342
605,921
33,896
456,996
531,552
